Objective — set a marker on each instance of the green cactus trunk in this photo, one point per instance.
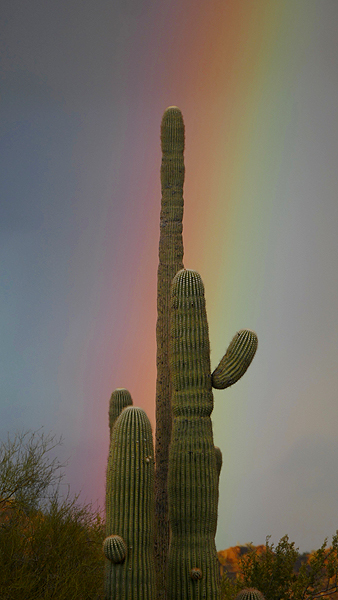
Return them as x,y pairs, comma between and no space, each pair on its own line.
170,261
129,545
193,571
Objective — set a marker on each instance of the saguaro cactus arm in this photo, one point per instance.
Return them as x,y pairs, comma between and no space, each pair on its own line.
236,360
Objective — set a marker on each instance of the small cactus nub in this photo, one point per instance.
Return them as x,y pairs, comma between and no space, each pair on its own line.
236,360
114,548
250,594
130,508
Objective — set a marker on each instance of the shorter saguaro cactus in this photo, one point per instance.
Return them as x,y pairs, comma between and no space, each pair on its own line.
129,545
250,594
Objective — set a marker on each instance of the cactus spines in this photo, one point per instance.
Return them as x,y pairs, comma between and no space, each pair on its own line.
119,399
170,261
250,594
115,549
130,508
236,360
193,478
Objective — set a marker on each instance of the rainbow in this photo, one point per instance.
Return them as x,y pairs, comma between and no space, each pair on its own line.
232,67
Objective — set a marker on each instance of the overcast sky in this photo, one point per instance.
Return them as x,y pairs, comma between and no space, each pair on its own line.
83,88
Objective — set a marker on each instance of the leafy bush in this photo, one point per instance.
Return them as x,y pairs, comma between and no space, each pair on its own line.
274,572
50,547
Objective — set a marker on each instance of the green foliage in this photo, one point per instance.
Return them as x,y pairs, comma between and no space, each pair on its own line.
52,555
51,552
320,577
230,587
271,572
274,572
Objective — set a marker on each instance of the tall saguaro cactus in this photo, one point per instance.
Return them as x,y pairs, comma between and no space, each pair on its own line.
193,470
170,261
129,545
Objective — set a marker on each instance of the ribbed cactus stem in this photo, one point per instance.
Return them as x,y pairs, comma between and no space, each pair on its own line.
170,261
193,570
129,545
119,399
236,360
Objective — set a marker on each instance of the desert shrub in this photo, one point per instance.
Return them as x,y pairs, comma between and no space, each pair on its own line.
28,472
274,572
50,546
